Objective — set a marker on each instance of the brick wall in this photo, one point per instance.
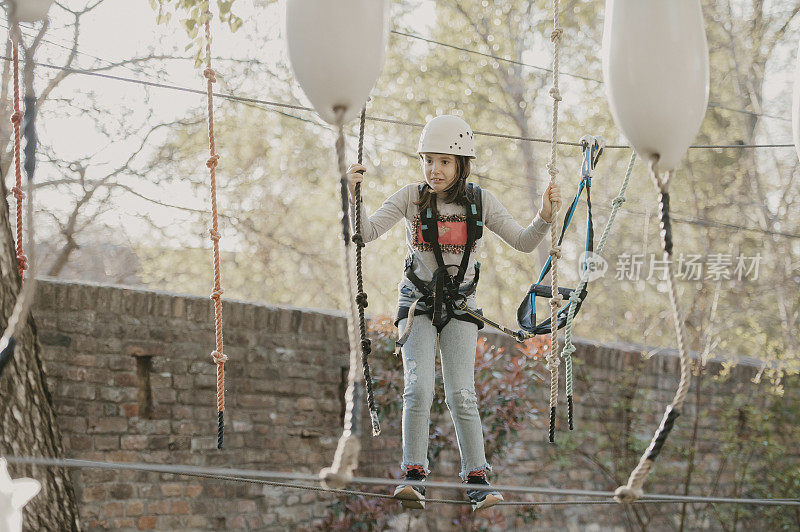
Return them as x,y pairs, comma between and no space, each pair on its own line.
132,380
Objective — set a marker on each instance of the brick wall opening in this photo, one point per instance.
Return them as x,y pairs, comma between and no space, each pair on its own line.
144,365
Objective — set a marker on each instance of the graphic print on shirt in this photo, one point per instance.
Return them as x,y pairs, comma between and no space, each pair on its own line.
452,234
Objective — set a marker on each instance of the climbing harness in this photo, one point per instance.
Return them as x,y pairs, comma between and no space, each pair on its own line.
587,267
28,289
361,296
633,489
592,148
444,293
217,355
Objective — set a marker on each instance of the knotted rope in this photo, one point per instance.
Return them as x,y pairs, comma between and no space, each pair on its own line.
16,120
555,250
218,355
345,461
569,348
361,297
25,296
633,489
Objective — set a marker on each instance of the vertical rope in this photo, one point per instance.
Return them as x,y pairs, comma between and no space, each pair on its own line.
555,249
16,119
361,297
217,355
345,461
569,348
25,296
633,489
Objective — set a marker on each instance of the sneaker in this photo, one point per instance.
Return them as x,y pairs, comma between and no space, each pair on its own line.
412,496
482,496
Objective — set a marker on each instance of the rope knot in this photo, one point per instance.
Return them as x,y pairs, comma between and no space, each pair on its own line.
18,193
214,234
575,296
22,260
16,117
361,299
219,358
358,240
216,294
366,346
556,34
568,350
619,200
552,170
555,252
212,161
627,495
555,302
555,94
210,75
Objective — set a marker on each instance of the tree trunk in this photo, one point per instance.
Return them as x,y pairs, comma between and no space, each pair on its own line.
27,416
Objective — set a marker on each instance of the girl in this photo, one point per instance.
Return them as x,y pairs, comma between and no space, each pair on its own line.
444,218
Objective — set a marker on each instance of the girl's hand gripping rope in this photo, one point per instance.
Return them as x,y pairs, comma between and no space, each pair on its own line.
551,202
355,174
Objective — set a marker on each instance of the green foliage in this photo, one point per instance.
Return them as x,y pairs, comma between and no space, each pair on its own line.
760,447
193,15
727,443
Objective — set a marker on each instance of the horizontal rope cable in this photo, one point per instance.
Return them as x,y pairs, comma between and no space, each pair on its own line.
711,105
234,98
248,475
498,58
703,223
561,72
427,500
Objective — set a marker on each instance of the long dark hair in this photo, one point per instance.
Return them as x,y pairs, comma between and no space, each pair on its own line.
457,193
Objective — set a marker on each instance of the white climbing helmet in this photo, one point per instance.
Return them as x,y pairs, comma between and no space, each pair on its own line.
447,134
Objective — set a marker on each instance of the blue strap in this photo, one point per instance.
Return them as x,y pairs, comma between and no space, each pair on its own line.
591,153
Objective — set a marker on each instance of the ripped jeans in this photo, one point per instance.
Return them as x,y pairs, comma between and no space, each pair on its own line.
457,343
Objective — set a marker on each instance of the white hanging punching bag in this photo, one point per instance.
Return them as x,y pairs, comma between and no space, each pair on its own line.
655,67
796,106
337,49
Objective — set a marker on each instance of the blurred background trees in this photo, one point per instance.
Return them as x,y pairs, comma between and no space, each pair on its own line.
124,188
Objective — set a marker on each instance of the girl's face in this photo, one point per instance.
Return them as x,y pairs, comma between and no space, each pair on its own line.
439,170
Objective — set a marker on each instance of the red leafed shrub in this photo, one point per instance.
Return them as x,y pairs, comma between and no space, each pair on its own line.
359,513
505,382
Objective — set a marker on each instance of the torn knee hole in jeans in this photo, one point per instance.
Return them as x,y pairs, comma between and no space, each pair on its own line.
468,398
411,370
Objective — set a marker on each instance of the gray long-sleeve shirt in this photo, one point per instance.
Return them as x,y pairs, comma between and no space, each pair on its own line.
452,233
